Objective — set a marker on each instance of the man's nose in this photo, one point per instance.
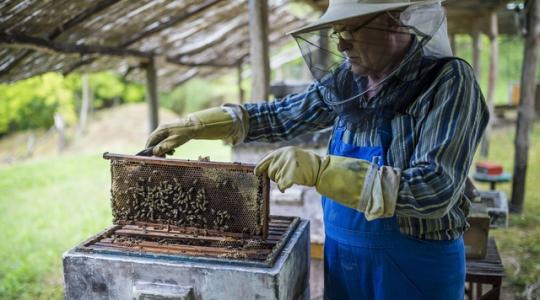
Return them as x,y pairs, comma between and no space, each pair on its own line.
344,45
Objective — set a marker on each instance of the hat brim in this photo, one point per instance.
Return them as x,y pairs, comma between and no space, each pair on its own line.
342,12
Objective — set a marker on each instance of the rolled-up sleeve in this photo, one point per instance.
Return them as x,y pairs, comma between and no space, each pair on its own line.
448,137
286,118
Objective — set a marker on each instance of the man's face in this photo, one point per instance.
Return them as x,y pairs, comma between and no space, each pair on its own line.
372,43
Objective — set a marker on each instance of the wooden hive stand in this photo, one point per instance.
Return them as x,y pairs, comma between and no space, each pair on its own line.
486,271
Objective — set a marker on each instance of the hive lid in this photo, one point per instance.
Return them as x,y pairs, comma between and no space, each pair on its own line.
220,198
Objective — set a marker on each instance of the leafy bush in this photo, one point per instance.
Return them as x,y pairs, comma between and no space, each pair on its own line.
509,63
195,94
109,88
32,103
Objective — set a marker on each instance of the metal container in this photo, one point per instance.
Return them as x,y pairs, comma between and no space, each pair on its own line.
97,269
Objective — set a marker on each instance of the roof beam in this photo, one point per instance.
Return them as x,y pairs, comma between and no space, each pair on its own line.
171,22
223,33
73,67
25,41
64,27
234,27
204,25
100,6
237,44
235,30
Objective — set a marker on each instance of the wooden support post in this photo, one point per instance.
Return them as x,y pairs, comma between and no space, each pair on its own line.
537,101
492,80
240,89
453,45
85,104
152,94
323,57
526,105
60,126
260,61
477,48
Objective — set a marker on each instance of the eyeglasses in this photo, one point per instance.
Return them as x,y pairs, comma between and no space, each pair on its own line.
347,35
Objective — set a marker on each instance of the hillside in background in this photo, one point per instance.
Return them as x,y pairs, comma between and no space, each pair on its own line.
119,129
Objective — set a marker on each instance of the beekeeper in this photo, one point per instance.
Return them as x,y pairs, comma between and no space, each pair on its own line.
406,119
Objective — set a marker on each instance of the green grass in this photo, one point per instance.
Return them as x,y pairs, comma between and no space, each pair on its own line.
49,206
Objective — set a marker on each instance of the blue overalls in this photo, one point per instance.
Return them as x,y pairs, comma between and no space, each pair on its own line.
372,259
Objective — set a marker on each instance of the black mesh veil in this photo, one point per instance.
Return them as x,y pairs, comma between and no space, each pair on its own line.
341,57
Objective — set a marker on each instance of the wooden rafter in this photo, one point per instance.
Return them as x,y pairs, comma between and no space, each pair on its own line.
238,48
171,22
167,24
100,6
233,27
15,61
15,40
75,66
78,19
236,39
216,38
202,26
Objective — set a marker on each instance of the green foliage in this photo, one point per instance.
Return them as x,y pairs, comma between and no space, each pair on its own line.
133,93
32,103
509,63
109,87
43,213
197,94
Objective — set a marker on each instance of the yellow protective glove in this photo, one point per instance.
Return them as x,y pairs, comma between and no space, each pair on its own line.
229,122
352,182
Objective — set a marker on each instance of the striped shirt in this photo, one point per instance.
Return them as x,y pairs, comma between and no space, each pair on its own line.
433,142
